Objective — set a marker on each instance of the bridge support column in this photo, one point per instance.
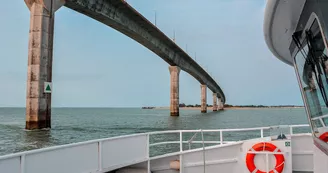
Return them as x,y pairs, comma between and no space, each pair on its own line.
38,103
203,104
174,97
220,106
215,106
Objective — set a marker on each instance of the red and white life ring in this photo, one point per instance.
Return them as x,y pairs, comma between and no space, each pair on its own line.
265,146
324,137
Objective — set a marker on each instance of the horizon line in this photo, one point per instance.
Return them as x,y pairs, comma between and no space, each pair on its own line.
142,106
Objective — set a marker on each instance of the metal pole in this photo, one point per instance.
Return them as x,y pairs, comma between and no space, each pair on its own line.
174,36
181,142
204,159
221,137
180,155
155,18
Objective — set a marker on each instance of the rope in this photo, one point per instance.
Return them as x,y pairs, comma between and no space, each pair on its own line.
191,140
280,165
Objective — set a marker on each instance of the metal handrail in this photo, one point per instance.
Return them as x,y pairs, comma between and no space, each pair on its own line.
226,130
194,142
148,134
100,145
261,129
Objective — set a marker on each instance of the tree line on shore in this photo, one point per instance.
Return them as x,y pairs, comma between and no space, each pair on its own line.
191,106
241,106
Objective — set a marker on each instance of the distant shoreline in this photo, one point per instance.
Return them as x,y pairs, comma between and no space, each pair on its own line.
167,107
233,108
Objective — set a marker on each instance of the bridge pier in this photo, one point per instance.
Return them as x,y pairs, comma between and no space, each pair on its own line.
40,51
220,105
203,104
174,89
215,106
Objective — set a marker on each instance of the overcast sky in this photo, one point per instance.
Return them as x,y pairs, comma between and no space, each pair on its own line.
97,66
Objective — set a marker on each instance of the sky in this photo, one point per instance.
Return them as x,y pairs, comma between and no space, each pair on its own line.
97,66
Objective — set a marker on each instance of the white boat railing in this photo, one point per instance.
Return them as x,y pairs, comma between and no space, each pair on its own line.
219,131
103,155
321,119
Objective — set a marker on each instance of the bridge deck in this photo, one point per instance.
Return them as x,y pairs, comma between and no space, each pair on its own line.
122,17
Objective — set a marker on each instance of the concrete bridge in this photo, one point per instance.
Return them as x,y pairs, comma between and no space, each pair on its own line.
120,16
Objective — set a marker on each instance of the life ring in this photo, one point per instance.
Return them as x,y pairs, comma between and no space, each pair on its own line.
324,137
265,146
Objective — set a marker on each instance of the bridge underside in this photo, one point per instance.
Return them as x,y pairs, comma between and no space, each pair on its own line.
120,16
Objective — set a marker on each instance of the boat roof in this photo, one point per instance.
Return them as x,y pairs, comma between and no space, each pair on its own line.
280,21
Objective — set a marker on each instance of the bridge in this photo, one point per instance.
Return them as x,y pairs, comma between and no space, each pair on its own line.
119,15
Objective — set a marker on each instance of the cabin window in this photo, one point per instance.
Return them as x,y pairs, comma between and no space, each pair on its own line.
317,123
325,121
311,61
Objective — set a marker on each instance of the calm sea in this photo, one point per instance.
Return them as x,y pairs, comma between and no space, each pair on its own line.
71,125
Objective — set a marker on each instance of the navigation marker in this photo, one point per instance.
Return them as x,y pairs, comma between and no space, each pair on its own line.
47,87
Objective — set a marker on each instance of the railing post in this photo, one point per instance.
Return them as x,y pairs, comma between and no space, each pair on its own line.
148,145
148,166
221,137
99,156
290,130
22,163
267,162
262,133
204,159
148,152
322,123
181,147
180,156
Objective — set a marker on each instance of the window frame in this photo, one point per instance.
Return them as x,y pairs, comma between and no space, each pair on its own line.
313,17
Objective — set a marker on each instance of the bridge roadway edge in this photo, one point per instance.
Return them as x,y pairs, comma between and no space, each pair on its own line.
125,19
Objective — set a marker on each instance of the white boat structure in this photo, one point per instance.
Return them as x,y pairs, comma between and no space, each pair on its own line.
132,153
296,33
